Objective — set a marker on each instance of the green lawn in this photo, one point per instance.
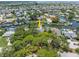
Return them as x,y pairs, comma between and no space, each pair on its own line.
3,42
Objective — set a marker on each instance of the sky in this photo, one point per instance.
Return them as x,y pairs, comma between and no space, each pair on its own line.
39,0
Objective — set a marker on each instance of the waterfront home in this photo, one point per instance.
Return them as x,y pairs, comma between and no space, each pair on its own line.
10,20
8,33
62,18
49,20
56,31
77,17
9,15
18,14
1,19
69,33
54,18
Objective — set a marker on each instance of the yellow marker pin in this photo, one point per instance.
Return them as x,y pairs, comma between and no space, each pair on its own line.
39,24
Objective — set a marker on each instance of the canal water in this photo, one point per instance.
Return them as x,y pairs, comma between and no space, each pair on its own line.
75,24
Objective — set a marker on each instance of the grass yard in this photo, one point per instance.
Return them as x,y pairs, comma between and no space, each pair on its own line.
3,42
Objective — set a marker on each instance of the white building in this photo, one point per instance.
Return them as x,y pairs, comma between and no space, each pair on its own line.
69,33
56,31
8,33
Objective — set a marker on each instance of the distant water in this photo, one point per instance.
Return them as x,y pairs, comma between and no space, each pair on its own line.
75,24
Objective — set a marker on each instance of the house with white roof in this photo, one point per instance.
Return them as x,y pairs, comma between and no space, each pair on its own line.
69,33
8,33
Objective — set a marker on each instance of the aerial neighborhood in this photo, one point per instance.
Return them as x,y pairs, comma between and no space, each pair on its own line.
39,29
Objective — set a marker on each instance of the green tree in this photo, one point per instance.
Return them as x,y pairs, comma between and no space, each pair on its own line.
23,52
20,33
3,42
77,50
28,40
17,45
41,39
71,15
2,31
47,53
26,51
